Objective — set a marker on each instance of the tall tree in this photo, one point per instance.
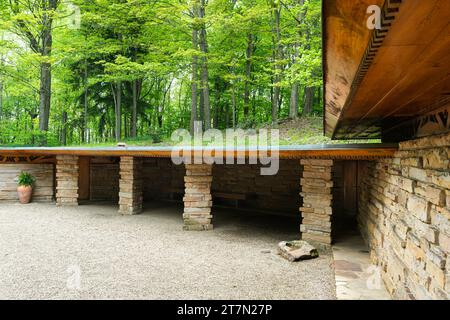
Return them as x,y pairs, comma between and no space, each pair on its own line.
194,77
204,70
277,58
33,21
2,63
248,70
293,106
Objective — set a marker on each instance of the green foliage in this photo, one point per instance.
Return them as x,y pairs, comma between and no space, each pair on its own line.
25,179
148,44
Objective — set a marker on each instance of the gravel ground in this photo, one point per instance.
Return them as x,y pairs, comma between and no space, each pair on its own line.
43,249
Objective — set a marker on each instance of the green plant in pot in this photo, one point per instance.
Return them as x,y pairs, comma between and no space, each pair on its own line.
25,187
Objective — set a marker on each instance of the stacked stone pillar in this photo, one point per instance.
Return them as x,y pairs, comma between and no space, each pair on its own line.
317,196
130,186
198,200
67,180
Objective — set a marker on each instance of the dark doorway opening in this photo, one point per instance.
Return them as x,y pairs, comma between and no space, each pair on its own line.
98,179
345,200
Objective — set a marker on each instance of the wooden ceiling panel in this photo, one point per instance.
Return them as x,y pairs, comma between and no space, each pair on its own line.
409,74
400,75
385,73
418,22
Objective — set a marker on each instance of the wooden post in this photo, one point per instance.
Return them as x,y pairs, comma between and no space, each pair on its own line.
84,179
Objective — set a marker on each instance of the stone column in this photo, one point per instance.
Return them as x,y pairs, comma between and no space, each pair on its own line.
130,186
67,180
198,200
317,184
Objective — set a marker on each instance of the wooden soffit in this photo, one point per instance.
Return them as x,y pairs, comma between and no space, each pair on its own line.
376,81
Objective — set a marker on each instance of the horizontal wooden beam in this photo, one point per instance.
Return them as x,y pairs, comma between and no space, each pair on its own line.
303,152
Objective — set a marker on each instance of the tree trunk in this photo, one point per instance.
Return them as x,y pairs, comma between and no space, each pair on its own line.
319,96
217,103
1,100
117,111
233,102
44,100
248,72
2,61
293,110
308,101
85,137
163,104
134,110
204,72
227,115
277,67
64,128
194,77
202,104
45,91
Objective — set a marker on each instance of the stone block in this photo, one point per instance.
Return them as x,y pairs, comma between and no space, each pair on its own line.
420,208
436,159
317,175
432,194
436,273
418,174
314,162
412,161
444,242
437,256
441,179
198,204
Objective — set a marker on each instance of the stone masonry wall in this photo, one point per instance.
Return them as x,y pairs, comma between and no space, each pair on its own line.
162,179
278,193
130,186
197,199
404,215
317,196
67,180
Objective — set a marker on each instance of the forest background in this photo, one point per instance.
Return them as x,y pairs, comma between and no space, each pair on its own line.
101,71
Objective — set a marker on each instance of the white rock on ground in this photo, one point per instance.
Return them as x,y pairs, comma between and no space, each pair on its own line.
150,257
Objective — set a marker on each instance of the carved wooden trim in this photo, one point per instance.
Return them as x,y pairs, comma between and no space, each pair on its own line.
389,13
26,159
436,122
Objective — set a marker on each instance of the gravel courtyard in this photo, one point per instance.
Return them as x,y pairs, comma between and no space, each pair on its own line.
44,250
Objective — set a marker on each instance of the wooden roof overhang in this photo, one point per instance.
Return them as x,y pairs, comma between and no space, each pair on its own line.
390,83
363,151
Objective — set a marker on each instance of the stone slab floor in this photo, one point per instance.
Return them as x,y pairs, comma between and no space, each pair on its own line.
356,277
91,252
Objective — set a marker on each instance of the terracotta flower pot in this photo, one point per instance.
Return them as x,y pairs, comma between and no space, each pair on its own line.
25,194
